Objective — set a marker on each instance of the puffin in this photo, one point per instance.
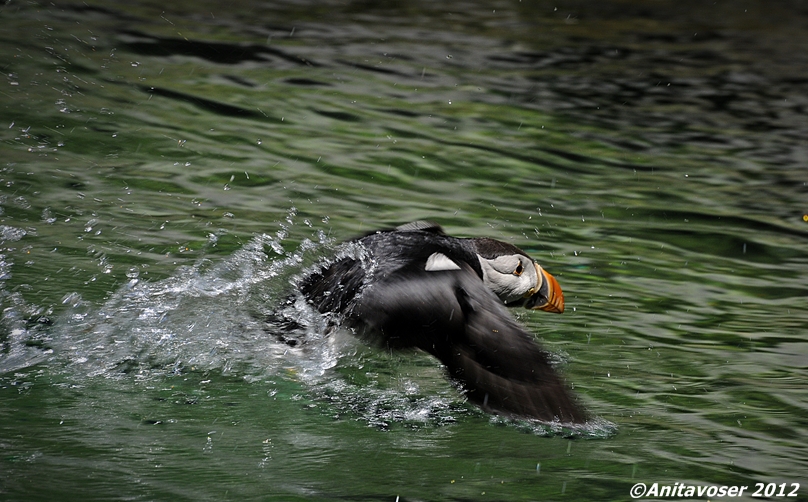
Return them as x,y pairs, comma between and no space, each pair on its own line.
414,286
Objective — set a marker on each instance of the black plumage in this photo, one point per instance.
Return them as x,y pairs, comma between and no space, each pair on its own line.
392,292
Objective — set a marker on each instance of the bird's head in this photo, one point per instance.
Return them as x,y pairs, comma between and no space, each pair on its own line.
515,277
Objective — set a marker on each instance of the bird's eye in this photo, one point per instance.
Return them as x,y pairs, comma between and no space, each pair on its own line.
518,270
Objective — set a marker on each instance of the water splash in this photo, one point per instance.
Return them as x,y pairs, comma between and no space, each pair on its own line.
205,317
19,322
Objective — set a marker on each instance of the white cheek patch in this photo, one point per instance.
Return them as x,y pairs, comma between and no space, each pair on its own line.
499,277
439,261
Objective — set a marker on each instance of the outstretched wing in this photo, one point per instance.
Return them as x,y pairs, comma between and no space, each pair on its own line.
504,370
450,314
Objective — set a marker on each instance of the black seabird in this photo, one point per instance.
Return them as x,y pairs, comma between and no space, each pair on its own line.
415,286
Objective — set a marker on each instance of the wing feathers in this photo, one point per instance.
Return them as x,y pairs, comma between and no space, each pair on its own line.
451,315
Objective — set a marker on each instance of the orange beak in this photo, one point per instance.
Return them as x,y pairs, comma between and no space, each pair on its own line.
549,297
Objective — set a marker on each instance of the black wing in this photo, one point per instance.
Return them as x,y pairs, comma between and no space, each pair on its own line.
334,288
451,315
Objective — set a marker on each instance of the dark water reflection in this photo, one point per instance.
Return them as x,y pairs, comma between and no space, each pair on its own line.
167,168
